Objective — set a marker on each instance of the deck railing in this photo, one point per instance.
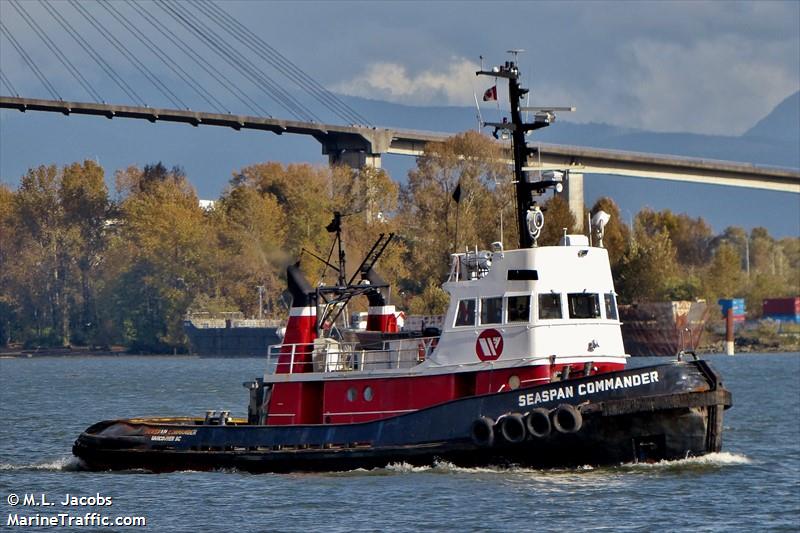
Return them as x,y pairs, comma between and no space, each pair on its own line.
329,355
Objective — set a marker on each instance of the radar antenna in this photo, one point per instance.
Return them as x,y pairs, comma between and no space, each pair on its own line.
517,130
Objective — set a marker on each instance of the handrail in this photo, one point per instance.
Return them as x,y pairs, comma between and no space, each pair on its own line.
357,359
328,355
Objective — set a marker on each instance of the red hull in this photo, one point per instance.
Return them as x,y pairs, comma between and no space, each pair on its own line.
343,401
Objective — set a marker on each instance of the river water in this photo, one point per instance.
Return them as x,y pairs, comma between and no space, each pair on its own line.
753,485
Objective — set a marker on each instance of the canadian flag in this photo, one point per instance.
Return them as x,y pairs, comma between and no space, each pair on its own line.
490,94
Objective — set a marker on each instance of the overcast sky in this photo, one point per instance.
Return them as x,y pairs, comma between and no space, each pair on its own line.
704,67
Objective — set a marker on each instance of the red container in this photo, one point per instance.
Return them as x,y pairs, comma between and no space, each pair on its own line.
781,306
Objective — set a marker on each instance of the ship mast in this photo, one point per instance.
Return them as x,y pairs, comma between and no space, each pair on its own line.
524,189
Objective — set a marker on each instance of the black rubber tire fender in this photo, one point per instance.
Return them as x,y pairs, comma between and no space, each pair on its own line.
512,428
567,419
482,431
538,424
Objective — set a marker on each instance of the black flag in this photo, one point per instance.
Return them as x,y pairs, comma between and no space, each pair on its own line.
336,223
457,193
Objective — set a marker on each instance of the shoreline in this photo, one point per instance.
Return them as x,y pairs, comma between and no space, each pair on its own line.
712,349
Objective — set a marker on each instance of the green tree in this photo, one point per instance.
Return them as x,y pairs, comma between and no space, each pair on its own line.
724,278
790,264
647,269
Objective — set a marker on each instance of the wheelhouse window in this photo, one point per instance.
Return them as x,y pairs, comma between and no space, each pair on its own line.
465,315
611,307
491,310
584,305
549,306
519,308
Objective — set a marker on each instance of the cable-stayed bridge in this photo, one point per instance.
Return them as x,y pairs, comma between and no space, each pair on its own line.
251,76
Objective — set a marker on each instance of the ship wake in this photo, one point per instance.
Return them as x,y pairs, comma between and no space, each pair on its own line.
705,462
62,464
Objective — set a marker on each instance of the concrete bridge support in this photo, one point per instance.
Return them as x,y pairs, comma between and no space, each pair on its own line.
355,160
573,194
359,150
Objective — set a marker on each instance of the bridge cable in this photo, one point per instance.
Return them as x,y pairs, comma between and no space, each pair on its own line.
42,78
7,82
176,101
197,58
235,59
226,26
166,59
194,31
289,68
242,64
286,96
102,63
224,20
62,58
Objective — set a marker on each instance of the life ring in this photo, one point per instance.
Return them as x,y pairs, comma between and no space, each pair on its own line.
512,428
483,431
567,419
537,422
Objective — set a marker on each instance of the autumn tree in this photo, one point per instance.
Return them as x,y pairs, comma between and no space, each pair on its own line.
432,301
616,235
43,264
368,199
161,254
252,237
304,193
460,180
86,207
558,217
691,237
9,323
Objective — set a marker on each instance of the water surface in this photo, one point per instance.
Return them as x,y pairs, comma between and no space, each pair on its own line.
753,485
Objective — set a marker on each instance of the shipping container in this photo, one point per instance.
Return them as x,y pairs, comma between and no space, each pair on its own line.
781,306
737,304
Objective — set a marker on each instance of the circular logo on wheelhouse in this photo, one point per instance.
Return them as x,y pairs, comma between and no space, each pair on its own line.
489,345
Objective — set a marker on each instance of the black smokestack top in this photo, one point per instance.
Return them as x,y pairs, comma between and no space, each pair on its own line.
375,297
299,287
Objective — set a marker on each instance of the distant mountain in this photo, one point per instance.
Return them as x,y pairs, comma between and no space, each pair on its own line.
772,141
782,124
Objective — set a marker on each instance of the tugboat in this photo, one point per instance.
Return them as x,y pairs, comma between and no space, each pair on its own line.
528,369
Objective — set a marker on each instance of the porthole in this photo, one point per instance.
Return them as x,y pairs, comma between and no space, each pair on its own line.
368,393
351,394
513,382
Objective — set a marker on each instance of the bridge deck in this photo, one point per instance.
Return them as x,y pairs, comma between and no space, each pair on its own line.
377,141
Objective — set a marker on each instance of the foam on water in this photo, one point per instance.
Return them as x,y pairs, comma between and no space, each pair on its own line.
446,467
720,459
68,463
712,459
